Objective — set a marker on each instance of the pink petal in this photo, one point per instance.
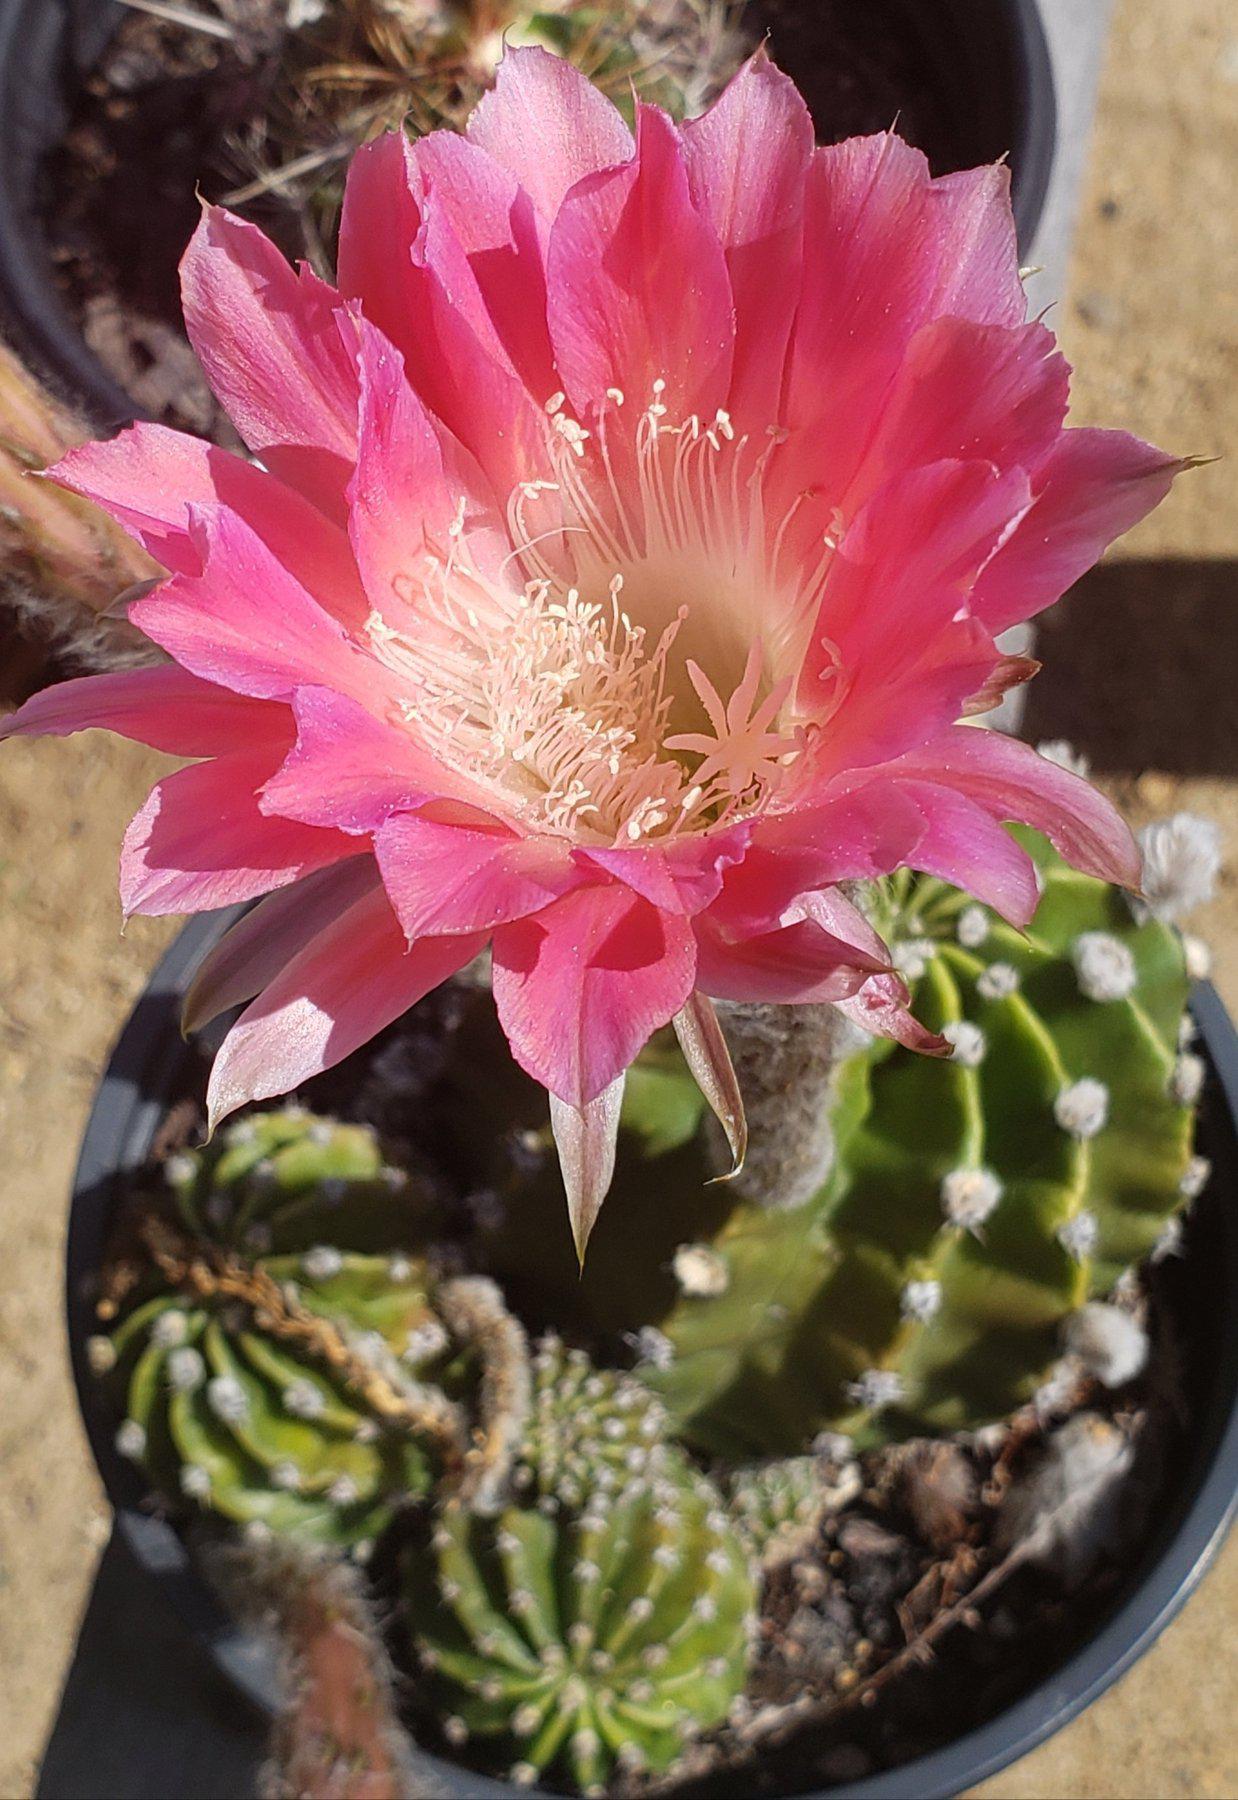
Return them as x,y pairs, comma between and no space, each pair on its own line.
855,835
276,347
200,841
165,707
493,221
148,477
1010,781
978,272
444,877
680,877
353,979
623,243
379,223
252,952
747,161
970,392
964,845
788,966
1093,486
910,664
886,251
401,260
586,1138
880,1007
407,490
245,622
548,126
351,770
582,986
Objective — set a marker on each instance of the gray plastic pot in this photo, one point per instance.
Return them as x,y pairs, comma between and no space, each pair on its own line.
987,59
150,1065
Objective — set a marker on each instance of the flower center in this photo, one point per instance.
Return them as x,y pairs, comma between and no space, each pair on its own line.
636,685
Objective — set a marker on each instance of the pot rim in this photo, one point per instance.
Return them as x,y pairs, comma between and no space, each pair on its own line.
68,36
129,1103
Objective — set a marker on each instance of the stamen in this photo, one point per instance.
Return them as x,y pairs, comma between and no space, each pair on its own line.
540,687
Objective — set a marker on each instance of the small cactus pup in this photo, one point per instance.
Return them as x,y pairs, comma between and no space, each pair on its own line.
300,1390
601,1622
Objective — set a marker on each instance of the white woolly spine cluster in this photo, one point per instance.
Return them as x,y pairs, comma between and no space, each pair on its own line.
1104,966
876,1389
1110,1342
1181,861
969,1197
968,1043
1082,1107
920,1301
973,927
998,981
701,1272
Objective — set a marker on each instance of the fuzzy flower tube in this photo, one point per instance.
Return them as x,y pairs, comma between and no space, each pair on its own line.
627,541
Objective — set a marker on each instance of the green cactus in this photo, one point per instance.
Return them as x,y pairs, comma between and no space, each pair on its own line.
974,1203
297,1389
280,1181
603,1621
777,1507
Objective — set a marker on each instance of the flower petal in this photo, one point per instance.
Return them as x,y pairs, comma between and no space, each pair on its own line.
494,223
747,161
886,251
969,393
275,344
200,841
1010,781
964,845
680,877
350,770
1092,486
148,478
448,877
707,1056
586,1137
252,952
415,493
549,126
401,259
581,987
165,707
353,979
623,243
245,621
880,1008
794,963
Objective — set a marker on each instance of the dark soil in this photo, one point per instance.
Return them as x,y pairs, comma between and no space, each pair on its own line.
157,123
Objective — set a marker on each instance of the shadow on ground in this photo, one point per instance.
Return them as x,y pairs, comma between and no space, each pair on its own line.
1141,668
143,1714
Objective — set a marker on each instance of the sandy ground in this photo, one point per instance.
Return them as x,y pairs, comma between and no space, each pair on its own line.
1140,671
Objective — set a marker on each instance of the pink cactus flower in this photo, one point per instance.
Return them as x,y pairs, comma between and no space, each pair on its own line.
628,535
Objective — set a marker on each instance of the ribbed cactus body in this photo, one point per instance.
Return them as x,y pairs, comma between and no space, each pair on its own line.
973,1203
288,1180
602,1622
286,1388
